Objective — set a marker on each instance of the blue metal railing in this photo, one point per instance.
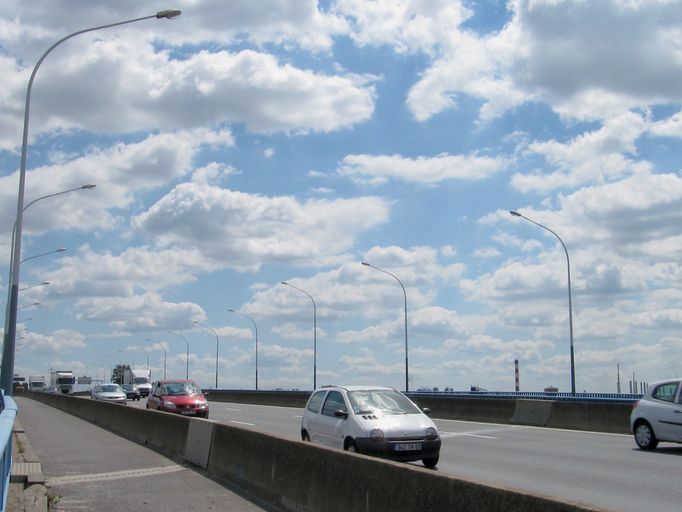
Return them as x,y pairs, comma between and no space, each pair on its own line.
8,413
536,395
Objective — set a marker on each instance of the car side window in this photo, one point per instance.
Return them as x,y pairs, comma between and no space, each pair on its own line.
333,403
316,401
666,392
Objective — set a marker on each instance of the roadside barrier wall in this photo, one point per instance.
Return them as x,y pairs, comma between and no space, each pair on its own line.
296,476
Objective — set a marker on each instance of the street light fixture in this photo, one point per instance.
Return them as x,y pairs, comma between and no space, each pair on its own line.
314,331
570,302
187,343
7,370
61,249
255,328
216,349
407,386
27,306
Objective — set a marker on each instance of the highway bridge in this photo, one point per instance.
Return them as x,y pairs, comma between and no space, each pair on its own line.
595,470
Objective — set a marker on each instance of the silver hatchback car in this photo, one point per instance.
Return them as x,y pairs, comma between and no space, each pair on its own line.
371,420
658,415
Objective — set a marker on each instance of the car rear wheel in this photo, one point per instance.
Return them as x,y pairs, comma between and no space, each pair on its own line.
644,436
430,462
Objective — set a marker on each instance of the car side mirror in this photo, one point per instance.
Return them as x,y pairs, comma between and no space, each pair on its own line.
426,411
340,414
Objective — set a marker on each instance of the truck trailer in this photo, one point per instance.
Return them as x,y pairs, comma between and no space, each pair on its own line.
36,383
63,381
140,378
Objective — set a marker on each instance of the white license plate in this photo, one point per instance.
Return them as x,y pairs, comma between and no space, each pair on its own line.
189,412
407,447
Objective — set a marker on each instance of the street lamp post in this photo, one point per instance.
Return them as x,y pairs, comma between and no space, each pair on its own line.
255,328
187,343
7,370
164,357
407,387
570,302
216,349
314,331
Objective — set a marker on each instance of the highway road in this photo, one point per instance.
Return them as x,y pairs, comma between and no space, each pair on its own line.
596,469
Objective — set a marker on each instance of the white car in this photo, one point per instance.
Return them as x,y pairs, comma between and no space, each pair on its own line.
658,415
372,420
109,393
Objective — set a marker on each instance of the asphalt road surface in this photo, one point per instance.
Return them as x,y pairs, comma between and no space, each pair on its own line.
595,469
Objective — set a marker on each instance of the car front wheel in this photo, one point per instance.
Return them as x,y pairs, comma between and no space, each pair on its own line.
351,446
644,436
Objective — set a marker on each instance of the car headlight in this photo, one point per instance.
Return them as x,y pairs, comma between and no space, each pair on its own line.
201,404
376,435
431,433
169,405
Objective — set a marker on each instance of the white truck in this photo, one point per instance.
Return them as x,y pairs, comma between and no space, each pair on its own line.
36,383
141,378
63,381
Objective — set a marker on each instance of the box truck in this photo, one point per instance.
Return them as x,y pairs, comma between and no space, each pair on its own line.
141,378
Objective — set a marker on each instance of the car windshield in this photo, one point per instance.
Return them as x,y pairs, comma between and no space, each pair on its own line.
111,388
180,388
381,401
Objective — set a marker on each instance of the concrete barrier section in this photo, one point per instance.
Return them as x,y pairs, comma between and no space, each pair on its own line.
597,417
532,412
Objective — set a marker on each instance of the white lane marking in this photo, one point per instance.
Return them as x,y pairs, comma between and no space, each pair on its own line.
446,435
297,416
114,475
231,409
243,423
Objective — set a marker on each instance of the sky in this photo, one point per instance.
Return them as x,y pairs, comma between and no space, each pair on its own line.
245,143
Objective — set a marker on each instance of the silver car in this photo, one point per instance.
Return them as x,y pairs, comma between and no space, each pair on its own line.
372,420
109,393
658,415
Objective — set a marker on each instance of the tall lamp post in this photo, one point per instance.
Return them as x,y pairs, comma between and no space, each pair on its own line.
187,343
7,370
255,328
216,349
164,357
314,331
407,386
570,302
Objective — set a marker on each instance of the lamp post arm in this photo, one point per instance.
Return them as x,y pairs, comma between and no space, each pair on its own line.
255,329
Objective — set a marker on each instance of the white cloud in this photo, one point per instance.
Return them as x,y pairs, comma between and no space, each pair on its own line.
377,170
592,157
243,231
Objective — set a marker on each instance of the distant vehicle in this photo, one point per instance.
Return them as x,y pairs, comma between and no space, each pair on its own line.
178,396
63,380
141,378
131,391
36,383
108,392
50,389
658,415
371,420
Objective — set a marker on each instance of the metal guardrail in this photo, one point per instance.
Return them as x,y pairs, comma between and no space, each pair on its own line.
9,412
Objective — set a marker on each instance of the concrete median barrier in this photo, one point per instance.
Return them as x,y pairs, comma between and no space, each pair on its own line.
597,417
296,476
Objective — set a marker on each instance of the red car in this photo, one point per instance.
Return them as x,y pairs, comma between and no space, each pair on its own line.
178,396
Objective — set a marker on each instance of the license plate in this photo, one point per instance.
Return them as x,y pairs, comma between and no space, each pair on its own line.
189,412
407,447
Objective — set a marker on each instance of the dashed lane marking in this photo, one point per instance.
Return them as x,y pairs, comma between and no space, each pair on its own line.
114,475
243,423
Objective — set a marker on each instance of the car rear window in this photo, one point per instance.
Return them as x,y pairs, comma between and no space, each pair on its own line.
315,401
666,392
